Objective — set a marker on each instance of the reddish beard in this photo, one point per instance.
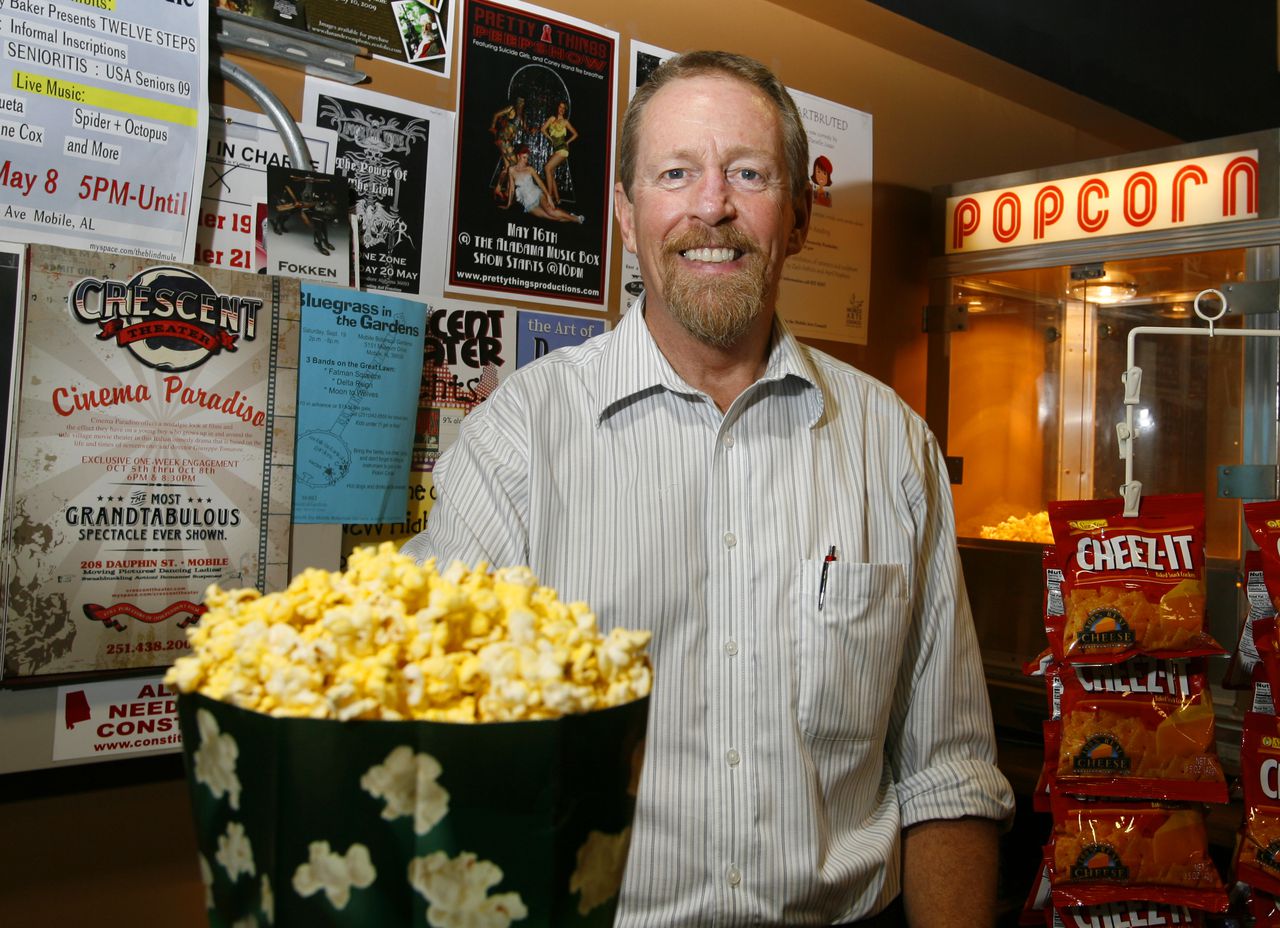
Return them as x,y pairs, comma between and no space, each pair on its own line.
716,309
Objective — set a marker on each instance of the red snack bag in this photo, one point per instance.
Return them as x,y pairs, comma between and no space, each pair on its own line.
1239,673
1116,851
1263,522
1124,915
1257,858
1141,729
1132,585
1267,667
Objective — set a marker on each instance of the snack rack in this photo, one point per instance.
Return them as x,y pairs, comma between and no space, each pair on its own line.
1131,490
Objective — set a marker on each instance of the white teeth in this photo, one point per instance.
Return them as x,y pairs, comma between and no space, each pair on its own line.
710,255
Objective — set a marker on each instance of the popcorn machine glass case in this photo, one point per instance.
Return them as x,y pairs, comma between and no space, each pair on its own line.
1044,275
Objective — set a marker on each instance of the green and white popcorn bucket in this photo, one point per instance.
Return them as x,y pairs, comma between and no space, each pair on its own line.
314,822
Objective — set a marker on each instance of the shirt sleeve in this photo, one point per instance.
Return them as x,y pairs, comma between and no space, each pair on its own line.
481,488
942,742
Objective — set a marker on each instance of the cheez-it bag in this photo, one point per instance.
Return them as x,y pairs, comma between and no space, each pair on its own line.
1125,915
1263,523
1141,729
1258,850
1114,851
1131,585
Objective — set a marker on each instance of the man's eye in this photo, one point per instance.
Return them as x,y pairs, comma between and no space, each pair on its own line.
674,174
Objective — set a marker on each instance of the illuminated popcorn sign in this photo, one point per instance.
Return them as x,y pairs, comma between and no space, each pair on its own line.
1195,191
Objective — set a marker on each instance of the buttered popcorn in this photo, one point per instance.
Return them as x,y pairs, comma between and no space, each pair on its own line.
389,639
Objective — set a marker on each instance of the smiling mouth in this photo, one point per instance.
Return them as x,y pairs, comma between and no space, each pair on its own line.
711,255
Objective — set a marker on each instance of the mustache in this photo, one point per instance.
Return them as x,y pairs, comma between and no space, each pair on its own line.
718,237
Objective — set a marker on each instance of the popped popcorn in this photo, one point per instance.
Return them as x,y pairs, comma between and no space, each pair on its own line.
235,853
457,892
389,639
335,873
215,759
1030,527
407,782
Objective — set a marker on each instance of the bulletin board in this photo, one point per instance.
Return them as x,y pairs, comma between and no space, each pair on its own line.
424,143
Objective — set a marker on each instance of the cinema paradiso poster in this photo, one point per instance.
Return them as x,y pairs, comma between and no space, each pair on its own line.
150,455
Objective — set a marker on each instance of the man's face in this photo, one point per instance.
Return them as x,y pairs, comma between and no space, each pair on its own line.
711,217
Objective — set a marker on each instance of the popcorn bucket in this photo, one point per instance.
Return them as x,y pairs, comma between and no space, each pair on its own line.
317,822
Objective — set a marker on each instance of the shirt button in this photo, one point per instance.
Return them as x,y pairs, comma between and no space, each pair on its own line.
733,757
733,875
730,539
731,647
728,441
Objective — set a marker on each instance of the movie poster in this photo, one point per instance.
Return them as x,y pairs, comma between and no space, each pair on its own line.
152,456
533,176
395,157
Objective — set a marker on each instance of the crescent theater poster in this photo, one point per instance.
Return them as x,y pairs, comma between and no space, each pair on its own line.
150,455
533,181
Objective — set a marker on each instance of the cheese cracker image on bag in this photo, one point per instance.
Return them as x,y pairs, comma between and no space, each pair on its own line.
1131,585
1141,729
1113,851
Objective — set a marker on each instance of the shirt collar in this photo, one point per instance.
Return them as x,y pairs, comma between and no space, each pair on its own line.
633,366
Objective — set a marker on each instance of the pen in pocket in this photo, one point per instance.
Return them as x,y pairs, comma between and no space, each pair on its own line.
822,582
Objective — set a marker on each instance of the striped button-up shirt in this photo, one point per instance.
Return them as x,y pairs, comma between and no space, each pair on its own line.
790,741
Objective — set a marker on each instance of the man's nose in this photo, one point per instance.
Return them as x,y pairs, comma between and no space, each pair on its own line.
713,201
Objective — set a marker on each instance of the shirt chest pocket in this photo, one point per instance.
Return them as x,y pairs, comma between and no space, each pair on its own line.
848,652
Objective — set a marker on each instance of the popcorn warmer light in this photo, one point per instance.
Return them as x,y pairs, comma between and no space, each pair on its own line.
337,777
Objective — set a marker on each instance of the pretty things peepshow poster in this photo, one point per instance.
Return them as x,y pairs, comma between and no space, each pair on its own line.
534,169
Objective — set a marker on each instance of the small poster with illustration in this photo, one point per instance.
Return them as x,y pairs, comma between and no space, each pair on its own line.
415,33
307,234
395,157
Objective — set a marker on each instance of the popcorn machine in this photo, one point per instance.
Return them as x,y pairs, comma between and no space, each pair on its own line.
1039,281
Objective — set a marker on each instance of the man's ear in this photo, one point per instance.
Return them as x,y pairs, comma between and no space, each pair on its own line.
803,206
624,212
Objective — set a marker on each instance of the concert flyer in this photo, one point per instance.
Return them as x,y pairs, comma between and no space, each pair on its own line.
533,175
357,403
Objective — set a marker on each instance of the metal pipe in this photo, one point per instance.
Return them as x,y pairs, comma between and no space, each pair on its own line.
294,144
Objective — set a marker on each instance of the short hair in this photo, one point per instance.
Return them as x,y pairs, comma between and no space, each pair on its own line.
795,142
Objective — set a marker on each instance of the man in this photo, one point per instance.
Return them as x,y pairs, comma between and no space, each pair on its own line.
819,738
